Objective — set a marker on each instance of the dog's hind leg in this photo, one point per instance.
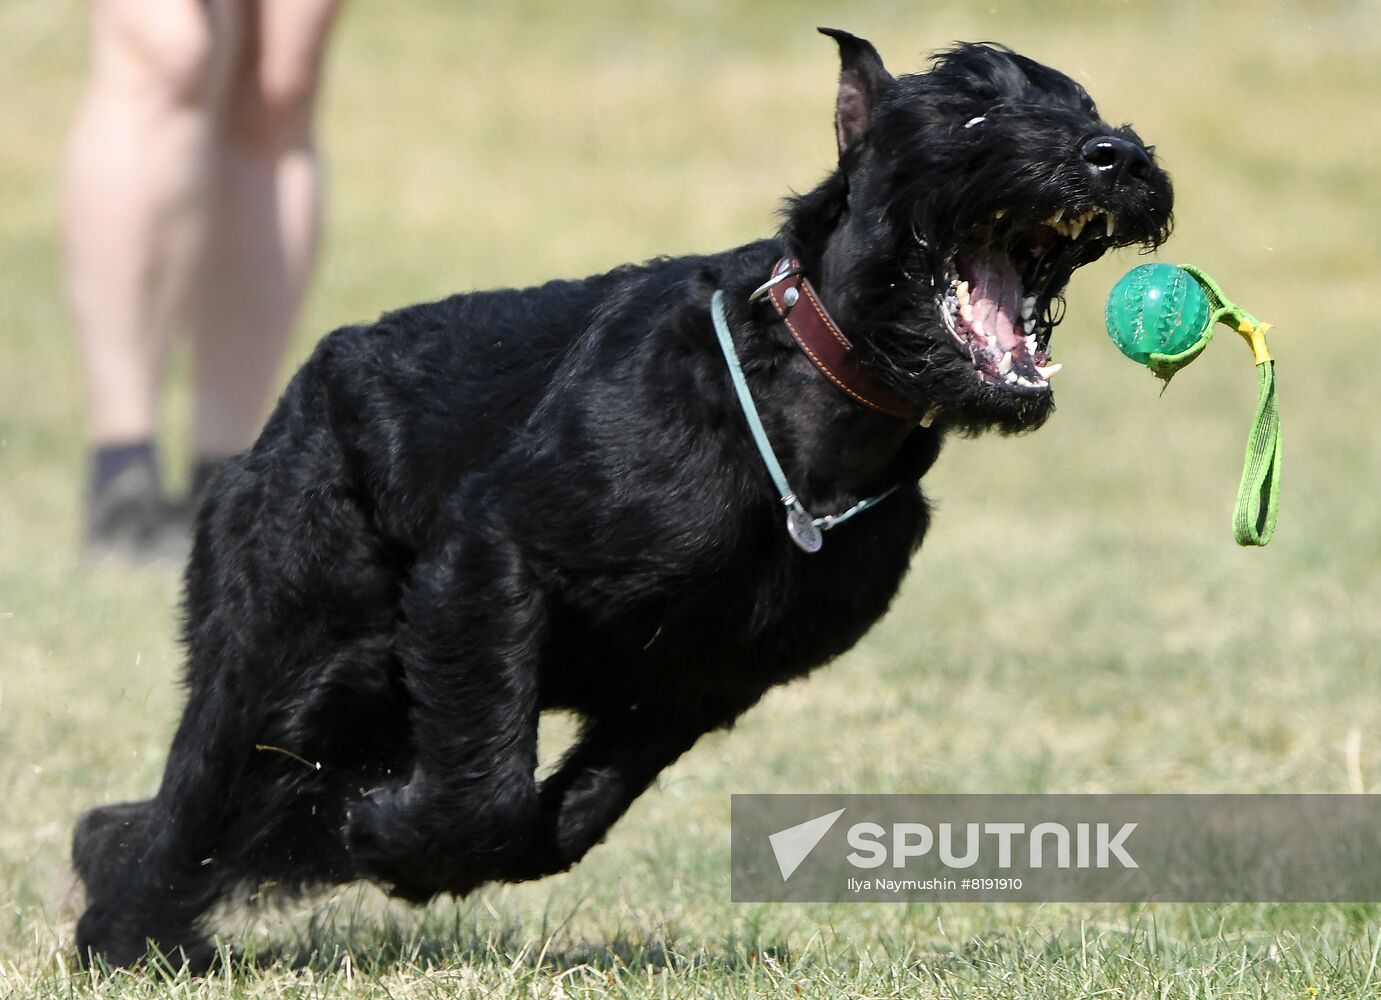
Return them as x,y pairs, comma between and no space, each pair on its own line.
152,870
239,804
474,632
102,833
146,865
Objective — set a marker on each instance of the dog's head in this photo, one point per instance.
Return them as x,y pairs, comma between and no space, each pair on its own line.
964,199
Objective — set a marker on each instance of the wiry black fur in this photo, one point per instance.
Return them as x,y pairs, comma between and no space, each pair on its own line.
509,502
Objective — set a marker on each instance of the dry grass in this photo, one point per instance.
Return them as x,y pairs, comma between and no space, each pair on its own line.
1079,619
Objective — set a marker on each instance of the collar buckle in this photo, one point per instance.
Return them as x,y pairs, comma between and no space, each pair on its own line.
784,271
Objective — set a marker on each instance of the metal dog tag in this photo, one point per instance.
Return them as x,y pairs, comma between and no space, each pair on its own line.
803,531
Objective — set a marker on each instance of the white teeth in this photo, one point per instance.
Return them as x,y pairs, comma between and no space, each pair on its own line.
1074,228
1022,380
965,311
962,292
1011,378
1029,326
1028,306
1031,344
1005,365
978,329
1048,370
999,213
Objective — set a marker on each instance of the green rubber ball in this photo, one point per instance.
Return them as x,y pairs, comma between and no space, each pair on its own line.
1156,309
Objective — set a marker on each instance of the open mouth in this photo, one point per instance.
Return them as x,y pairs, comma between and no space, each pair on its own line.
998,289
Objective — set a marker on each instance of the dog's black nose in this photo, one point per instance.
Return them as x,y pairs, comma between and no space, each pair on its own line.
1116,159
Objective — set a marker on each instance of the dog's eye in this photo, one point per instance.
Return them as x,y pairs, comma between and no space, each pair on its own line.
975,121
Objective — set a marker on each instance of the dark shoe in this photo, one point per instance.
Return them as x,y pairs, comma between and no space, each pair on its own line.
130,520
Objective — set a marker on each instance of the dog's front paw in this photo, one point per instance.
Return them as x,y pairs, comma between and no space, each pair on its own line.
385,846
420,845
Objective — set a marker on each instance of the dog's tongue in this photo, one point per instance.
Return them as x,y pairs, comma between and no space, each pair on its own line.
995,294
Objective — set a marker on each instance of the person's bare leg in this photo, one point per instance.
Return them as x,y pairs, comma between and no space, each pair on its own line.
267,223
134,196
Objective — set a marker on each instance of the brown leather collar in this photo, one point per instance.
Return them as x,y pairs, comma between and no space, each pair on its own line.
791,294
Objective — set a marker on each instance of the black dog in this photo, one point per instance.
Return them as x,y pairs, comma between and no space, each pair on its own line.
477,510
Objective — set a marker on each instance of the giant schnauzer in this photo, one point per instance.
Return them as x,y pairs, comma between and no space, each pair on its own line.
604,496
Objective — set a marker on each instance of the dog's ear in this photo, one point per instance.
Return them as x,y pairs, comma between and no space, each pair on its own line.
862,79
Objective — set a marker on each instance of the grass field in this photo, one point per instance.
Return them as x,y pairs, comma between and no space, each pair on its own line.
1079,619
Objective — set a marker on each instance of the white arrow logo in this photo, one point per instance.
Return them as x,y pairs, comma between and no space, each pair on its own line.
794,844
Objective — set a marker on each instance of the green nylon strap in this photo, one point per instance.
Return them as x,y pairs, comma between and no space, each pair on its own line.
1258,495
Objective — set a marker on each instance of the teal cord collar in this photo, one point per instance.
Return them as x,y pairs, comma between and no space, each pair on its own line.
804,530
